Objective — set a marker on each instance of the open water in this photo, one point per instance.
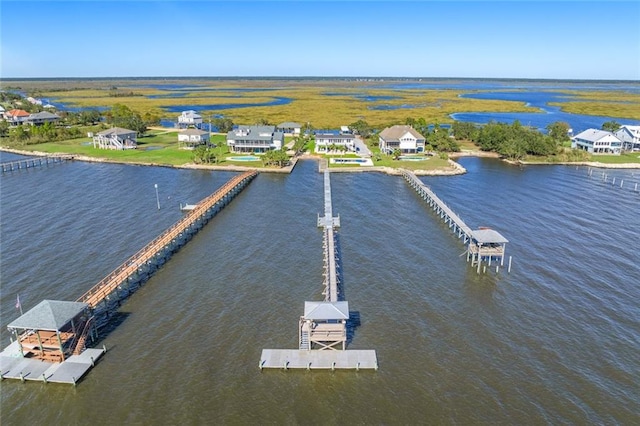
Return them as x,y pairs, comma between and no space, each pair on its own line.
557,341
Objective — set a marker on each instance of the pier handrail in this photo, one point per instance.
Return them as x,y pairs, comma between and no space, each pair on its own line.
107,285
459,222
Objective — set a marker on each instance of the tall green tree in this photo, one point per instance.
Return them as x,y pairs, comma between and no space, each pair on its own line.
559,132
611,126
463,130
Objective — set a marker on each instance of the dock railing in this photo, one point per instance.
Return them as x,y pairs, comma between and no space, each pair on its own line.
109,283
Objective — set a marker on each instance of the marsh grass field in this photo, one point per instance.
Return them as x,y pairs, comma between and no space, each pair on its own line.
325,103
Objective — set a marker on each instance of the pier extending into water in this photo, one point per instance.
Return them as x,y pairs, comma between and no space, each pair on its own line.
30,163
50,339
322,330
483,244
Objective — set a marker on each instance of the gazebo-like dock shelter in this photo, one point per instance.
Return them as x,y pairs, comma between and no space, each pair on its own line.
486,245
52,330
324,325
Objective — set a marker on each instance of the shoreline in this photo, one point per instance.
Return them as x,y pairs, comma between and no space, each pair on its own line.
455,168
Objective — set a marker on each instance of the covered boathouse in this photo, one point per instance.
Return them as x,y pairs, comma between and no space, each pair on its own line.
48,344
52,330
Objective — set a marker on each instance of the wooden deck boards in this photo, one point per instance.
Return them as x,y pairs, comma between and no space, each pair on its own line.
319,360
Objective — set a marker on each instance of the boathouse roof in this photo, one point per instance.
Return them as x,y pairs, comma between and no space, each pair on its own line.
50,315
488,236
326,310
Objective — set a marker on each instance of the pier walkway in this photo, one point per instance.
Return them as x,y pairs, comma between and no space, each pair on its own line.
446,214
30,163
49,341
483,244
167,242
322,330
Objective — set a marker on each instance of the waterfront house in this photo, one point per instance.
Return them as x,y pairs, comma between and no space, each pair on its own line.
630,137
289,128
42,117
16,116
189,118
254,139
191,138
597,141
326,142
402,137
115,138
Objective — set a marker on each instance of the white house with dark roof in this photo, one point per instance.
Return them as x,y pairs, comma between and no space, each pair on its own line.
597,142
289,127
42,117
191,138
327,142
630,137
189,118
255,139
115,138
402,137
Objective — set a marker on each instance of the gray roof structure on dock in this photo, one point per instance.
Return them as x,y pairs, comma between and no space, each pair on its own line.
326,310
50,315
488,236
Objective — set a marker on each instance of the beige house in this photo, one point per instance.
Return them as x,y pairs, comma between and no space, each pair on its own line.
115,138
405,138
191,138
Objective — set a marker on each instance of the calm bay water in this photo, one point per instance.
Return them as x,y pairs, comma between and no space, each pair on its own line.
555,341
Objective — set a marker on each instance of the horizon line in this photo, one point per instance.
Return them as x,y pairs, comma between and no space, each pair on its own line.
273,77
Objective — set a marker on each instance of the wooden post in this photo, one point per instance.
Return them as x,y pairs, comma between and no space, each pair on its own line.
509,268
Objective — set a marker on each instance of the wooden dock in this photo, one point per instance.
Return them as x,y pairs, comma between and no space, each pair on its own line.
50,338
33,162
165,244
483,245
322,329
446,214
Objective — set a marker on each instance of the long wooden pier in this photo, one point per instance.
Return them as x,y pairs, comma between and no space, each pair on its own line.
33,162
322,329
42,353
483,244
167,242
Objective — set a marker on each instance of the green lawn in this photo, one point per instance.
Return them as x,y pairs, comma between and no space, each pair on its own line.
617,159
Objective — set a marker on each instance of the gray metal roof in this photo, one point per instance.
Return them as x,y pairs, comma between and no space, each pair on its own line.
115,131
50,315
488,236
326,310
43,115
192,132
255,133
593,135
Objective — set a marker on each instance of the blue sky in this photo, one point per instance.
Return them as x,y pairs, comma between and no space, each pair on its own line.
477,39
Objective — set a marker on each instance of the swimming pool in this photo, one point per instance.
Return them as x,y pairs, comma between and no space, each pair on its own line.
355,161
244,158
412,158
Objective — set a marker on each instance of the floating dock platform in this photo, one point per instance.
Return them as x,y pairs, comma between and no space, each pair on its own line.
286,359
14,366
